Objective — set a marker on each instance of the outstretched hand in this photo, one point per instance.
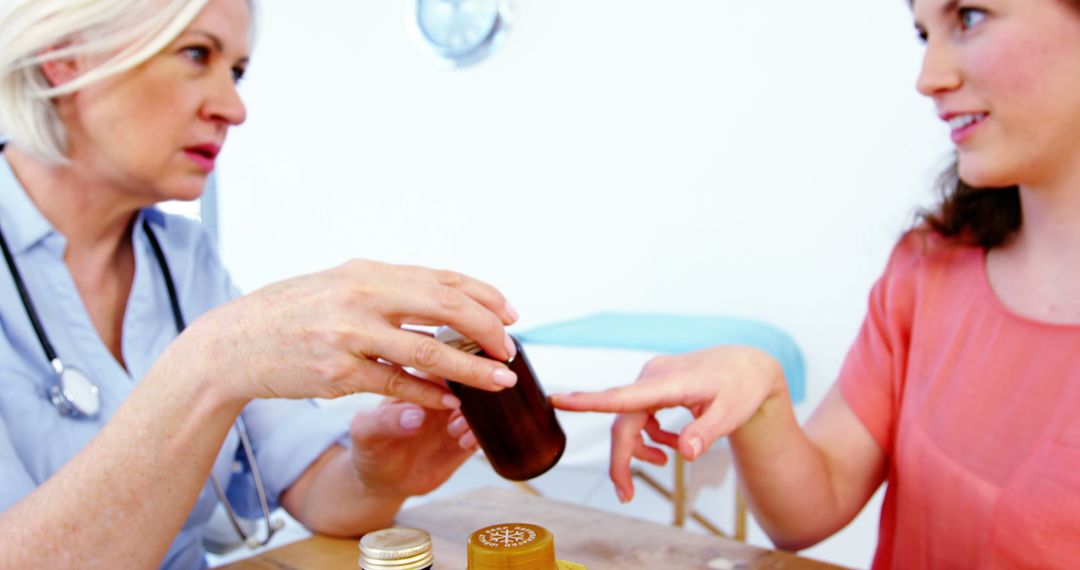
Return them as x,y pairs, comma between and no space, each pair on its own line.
722,387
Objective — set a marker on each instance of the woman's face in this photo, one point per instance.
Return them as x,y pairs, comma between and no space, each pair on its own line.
1005,75
154,131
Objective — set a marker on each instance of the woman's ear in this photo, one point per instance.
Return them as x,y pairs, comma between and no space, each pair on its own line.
62,70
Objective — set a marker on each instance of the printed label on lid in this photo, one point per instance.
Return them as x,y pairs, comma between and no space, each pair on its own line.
506,537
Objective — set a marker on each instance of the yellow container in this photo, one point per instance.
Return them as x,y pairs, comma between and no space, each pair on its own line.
515,546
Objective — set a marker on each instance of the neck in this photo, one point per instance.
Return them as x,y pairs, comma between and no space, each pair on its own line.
94,216
1051,220
1037,273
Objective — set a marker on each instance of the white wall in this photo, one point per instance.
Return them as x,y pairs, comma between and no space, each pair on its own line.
750,158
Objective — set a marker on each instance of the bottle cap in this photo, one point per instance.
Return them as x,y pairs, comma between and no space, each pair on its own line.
512,546
457,340
396,549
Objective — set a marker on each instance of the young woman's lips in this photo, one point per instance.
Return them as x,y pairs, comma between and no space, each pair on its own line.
963,125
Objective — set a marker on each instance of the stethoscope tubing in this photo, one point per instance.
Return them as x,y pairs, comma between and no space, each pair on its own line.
174,299
24,295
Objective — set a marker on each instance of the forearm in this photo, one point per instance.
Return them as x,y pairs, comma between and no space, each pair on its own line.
120,501
785,477
329,498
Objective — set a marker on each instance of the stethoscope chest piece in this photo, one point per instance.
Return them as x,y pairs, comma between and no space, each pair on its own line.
73,393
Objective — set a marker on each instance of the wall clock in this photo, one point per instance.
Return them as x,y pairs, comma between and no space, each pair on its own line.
462,32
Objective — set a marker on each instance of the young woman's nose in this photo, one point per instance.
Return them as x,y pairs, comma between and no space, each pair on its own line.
940,72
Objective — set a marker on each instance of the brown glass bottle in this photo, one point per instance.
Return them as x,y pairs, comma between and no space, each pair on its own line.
515,427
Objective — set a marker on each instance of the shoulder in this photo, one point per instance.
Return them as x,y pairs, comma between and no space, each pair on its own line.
922,253
175,229
181,236
923,263
193,258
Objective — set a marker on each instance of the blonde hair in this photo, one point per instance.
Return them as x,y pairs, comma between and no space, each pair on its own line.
123,33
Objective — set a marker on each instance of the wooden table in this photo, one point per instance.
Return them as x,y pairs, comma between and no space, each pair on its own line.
598,539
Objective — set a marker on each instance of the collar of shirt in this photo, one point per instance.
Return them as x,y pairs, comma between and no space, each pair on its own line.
24,226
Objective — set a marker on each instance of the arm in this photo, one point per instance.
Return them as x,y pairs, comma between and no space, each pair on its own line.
801,485
398,450
87,514
827,472
120,501
330,498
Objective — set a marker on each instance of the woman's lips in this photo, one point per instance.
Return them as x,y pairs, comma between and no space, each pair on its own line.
203,156
964,124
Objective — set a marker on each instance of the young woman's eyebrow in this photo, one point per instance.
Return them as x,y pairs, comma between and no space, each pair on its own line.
945,10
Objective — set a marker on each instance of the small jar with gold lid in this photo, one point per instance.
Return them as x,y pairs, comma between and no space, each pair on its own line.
515,546
396,549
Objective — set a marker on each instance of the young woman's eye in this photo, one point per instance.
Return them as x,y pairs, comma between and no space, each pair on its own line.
971,17
197,54
238,74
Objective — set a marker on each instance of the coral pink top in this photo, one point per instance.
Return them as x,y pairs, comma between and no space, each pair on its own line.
978,412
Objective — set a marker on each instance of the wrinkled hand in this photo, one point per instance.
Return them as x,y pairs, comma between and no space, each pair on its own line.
722,387
340,332
400,449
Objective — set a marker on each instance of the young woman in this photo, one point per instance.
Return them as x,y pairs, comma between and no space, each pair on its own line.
962,389
107,108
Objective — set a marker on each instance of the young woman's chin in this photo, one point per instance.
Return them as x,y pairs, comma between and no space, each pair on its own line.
980,173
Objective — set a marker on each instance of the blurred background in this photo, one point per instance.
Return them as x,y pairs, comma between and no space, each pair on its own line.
706,157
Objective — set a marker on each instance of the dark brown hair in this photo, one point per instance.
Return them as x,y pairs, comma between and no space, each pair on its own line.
985,217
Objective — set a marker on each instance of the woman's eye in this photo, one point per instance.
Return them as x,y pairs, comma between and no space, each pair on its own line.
971,17
197,54
238,74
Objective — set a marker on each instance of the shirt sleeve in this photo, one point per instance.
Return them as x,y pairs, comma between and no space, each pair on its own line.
287,436
872,377
15,482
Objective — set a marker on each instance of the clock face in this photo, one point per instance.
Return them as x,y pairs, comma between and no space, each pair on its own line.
461,31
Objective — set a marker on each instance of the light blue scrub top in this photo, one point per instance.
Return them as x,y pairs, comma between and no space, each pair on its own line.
36,441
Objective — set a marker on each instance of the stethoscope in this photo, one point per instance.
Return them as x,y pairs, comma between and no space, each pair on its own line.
75,395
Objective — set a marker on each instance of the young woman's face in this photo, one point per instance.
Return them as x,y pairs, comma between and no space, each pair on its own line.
156,130
1005,74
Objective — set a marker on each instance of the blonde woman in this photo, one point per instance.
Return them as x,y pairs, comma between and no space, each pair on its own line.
111,420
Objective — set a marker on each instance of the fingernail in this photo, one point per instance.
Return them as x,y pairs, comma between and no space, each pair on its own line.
467,441
457,425
695,447
511,312
504,377
511,350
451,401
622,496
412,419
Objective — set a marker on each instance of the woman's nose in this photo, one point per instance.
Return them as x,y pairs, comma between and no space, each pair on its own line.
940,72
225,104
